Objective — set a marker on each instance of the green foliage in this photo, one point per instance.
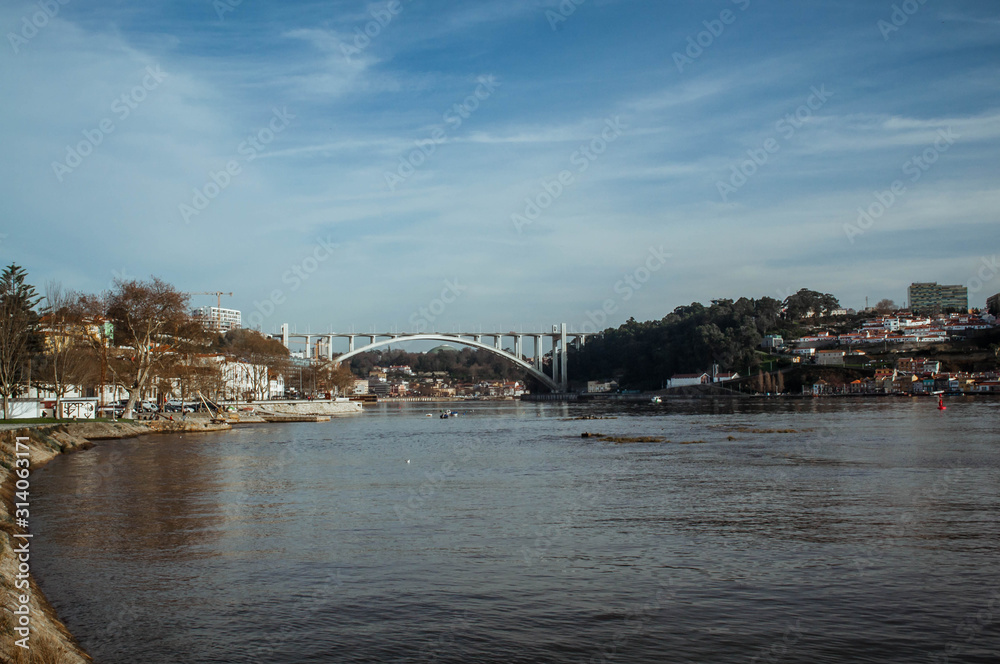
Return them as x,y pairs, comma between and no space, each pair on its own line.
19,337
688,340
249,345
807,303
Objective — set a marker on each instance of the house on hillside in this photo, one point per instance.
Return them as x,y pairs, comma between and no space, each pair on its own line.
830,358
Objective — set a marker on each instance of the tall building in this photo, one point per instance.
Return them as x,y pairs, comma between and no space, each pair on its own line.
993,304
930,298
220,320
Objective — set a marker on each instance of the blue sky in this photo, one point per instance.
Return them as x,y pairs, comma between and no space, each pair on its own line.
834,98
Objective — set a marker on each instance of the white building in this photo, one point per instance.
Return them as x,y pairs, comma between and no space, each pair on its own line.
685,380
244,381
772,341
831,358
218,319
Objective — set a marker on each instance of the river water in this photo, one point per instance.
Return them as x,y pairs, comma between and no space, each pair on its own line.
766,531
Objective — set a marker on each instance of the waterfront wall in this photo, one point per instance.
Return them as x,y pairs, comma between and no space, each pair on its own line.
331,408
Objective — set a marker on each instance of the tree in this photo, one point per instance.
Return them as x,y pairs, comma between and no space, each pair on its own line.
885,306
67,358
806,303
152,324
18,323
334,377
198,375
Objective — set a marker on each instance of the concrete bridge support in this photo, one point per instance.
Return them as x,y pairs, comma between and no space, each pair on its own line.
563,360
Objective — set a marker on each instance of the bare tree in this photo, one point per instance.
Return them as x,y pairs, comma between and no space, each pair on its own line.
152,323
18,321
333,377
67,359
885,306
199,375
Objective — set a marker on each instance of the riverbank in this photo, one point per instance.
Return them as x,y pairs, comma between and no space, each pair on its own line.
49,640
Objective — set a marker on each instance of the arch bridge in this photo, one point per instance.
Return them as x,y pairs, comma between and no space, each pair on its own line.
318,346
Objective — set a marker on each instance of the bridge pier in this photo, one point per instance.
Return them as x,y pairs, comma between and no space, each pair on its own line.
564,360
554,364
555,360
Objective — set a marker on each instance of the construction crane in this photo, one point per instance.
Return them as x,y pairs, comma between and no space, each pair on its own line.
218,308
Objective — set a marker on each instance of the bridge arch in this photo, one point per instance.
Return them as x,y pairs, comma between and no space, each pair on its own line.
541,377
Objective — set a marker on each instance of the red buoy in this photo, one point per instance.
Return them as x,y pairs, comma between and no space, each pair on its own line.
941,405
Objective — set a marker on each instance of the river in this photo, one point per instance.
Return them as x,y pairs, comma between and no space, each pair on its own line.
763,531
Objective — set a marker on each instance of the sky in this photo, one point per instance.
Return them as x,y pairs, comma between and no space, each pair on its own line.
421,165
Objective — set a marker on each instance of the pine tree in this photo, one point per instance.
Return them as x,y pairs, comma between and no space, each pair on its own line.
18,325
